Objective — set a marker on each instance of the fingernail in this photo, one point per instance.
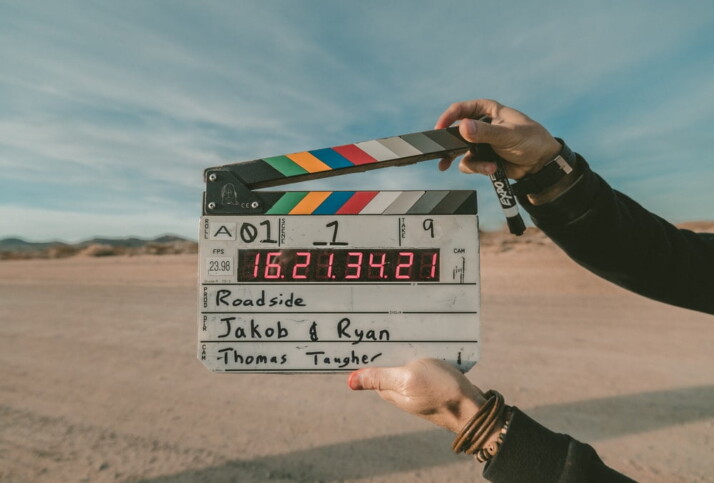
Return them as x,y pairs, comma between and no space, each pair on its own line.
354,381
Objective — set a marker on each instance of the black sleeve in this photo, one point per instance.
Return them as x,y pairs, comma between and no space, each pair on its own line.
532,453
617,239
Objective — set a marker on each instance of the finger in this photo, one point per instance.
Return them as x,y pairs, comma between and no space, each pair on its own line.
445,163
375,378
468,164
461,110
467,109
482,132
353,381
472,166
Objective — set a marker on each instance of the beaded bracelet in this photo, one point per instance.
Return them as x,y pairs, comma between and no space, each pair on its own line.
492,448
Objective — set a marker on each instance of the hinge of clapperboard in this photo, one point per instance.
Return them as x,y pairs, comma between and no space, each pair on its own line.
231,189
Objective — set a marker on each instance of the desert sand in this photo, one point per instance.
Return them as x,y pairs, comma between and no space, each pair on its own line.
99,381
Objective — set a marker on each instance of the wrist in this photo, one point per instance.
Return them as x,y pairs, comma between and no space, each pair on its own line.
465,410
554,148
549,181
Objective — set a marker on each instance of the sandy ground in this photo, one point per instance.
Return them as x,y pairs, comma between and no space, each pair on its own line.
99,382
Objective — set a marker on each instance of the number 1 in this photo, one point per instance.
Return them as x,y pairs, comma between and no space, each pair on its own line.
266,223
334,225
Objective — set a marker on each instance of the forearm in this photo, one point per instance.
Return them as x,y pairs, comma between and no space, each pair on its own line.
530,452
614,237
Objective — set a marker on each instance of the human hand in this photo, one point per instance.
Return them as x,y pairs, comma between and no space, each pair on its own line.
524,145
429,388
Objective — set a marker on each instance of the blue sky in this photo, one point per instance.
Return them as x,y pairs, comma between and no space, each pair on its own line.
110,111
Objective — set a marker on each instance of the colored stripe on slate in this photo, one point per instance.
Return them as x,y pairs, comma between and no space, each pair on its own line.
377,150
331,158
399,146
285,165
308,162
333,203
356,203
426,203
354,154
308,204
380,203
445,139
423,143
405,201
286,203
454,203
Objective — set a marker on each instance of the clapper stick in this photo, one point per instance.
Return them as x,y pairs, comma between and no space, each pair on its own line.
230,187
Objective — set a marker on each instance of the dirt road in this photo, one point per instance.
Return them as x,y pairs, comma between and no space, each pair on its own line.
99,381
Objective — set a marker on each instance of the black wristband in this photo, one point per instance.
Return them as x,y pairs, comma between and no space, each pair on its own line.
551,173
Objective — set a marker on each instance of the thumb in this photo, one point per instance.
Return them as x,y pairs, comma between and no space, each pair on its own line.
374,378
481,132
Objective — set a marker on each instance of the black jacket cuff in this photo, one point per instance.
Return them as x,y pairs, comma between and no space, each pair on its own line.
570,205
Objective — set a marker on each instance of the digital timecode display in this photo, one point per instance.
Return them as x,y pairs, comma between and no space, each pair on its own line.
339,265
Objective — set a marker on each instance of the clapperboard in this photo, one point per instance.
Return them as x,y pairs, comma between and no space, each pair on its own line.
330,281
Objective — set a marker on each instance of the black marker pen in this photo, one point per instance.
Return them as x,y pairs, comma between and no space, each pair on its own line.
499,180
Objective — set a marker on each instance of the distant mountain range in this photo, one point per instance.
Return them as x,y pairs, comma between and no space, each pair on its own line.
16,248
20,245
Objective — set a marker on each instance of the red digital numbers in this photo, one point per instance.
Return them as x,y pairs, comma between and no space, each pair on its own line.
427,268
339,265
272,266
376,266
408,265
256,265
325,260
354,264
301,270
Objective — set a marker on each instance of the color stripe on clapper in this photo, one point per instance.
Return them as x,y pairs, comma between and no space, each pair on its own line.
275,170
373,202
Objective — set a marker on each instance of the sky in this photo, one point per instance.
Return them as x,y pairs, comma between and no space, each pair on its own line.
110,111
